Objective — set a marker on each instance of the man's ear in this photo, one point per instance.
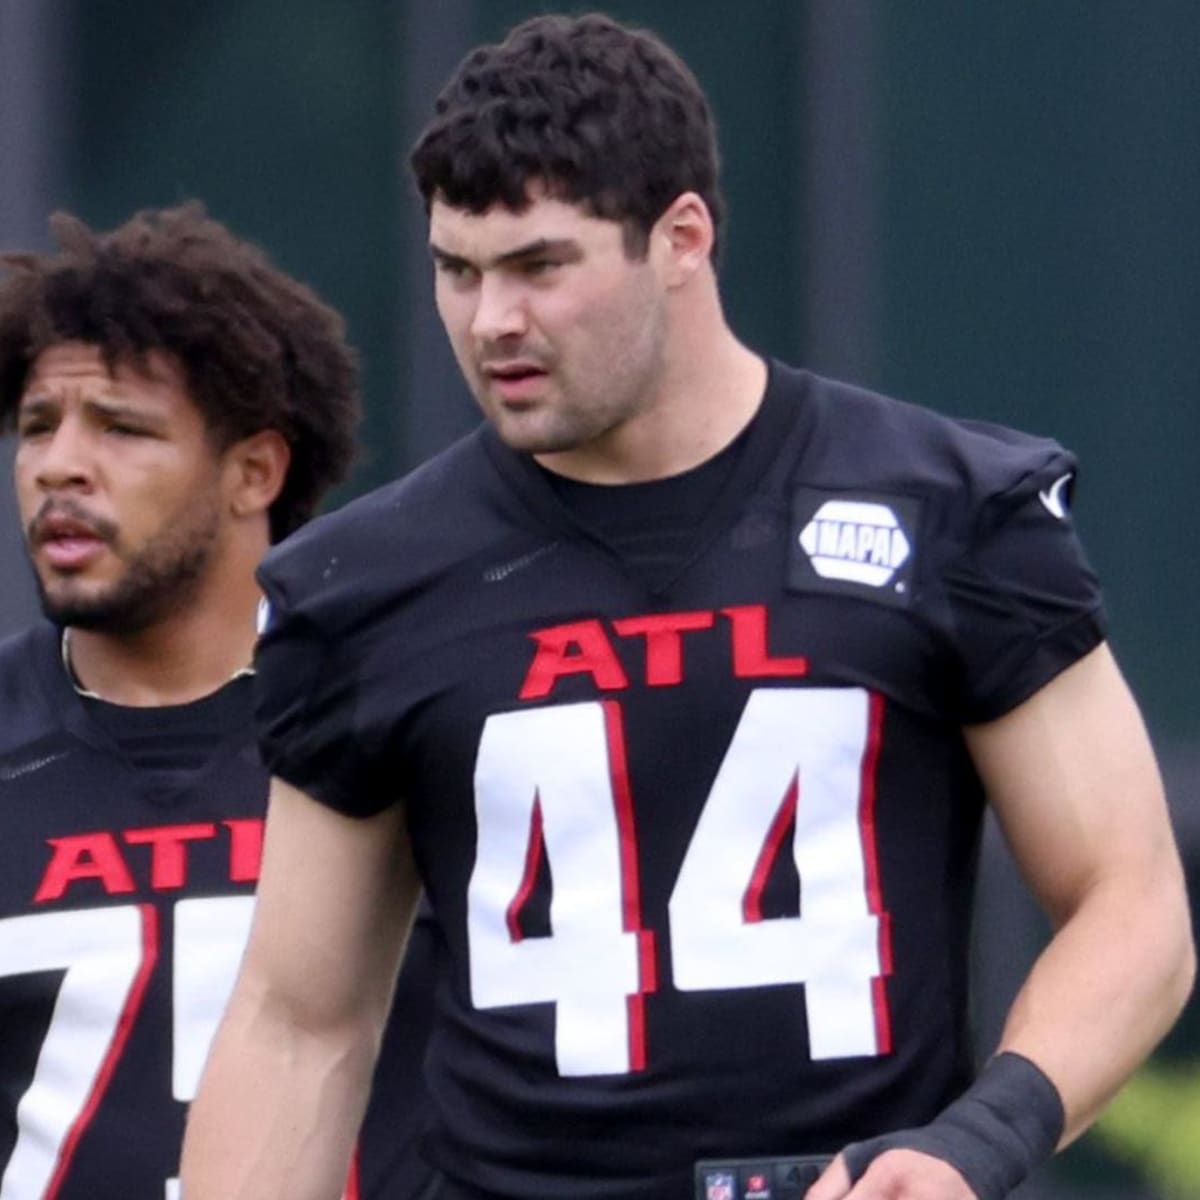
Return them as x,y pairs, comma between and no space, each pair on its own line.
682,239
256,468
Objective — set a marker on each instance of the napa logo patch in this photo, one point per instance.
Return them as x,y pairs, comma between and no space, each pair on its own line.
854,543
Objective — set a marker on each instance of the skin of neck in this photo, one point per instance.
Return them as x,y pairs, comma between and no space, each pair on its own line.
191,652
710,387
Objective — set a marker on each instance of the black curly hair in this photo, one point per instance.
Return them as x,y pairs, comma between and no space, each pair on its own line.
258,349
600,114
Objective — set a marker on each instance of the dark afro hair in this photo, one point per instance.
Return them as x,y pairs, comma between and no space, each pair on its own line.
258,349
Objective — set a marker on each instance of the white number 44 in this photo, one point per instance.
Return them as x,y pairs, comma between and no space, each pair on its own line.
801,758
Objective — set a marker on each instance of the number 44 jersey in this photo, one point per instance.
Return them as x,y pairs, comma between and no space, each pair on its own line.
700,841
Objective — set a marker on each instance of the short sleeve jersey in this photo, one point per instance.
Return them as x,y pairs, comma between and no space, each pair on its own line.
700,847
129,848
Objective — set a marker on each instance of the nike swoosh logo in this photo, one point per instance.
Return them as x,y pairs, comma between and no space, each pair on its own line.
27,768
1052,497
504,570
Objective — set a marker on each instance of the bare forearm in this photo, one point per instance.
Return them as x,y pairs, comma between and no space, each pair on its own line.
277,1112
285,1087
1072,777
1103,993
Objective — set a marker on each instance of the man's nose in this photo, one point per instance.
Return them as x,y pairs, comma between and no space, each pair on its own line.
64,458
500,311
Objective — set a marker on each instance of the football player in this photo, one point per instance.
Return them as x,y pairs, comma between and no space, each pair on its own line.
682,685
178,404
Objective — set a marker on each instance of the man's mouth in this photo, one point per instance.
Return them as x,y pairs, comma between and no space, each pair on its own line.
67,543
71,553
515,381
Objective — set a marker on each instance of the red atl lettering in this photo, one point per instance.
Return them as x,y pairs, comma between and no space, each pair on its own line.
245,849
87,856
583,648
578,649
168,858
98,857
751,659
664,646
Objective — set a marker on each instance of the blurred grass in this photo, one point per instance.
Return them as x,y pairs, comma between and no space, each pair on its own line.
1154,1125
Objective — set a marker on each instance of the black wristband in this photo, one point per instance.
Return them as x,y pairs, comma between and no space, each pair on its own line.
1006,1123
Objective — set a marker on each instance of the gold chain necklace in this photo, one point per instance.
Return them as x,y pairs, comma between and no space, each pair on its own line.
87,693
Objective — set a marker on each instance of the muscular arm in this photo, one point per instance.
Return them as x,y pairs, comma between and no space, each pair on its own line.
1073,781
286,1082
1072,778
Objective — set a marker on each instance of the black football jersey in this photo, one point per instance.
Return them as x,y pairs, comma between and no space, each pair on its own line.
130,842
700,843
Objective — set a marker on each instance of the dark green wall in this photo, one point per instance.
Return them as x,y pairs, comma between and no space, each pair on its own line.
280,116
1040,180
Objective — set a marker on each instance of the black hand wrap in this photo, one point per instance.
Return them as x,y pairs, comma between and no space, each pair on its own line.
1006,1123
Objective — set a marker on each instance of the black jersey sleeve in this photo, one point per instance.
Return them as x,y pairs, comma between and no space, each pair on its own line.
351,597
1023,602
305,706
314,660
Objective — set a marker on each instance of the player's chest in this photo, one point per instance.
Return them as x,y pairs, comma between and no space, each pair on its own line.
574,627
125,902
581,690
81,828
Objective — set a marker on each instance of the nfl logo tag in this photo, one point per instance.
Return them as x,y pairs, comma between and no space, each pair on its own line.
718,1186
757,1187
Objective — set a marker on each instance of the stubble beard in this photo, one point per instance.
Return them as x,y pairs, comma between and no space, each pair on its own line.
162,577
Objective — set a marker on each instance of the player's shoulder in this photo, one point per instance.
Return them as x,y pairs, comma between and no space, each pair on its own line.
393,539
864,439
26,711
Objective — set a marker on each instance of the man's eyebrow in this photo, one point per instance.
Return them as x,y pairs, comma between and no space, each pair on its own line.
444,256
108,404
113,404
566,249
35,400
